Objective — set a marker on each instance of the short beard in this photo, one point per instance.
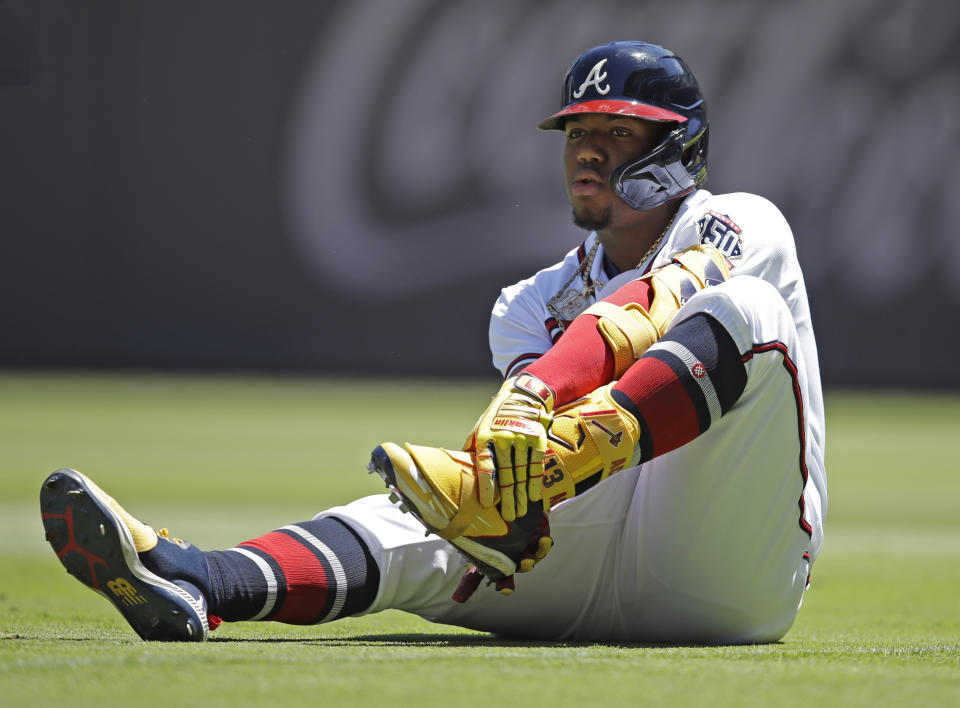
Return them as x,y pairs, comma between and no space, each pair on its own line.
591,222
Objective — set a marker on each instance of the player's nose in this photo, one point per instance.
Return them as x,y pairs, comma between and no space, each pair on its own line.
589,150
588,158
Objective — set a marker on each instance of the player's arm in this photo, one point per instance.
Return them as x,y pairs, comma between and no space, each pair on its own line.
509,440
512,429
609,336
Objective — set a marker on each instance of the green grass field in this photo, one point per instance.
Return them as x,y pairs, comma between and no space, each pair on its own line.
222,459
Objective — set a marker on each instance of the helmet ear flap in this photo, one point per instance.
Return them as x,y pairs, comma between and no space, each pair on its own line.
655,178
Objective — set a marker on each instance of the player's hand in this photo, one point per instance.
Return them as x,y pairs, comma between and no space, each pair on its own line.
509,442
540,544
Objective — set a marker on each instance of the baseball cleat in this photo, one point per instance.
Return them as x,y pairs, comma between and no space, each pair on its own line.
98,542
438,487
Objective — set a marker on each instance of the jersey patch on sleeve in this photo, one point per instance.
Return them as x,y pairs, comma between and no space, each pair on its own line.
720,231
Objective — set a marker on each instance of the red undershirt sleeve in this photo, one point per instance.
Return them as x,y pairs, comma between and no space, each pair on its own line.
581,361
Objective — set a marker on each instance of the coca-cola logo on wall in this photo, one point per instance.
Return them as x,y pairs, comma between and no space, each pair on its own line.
412,160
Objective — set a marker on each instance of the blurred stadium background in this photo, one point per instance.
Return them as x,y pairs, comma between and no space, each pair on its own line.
344,186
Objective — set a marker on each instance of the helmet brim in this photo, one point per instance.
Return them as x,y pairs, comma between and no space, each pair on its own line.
633,109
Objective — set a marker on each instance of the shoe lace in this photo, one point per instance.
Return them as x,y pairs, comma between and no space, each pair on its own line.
166,535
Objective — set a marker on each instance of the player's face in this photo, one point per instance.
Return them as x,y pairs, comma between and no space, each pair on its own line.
596,145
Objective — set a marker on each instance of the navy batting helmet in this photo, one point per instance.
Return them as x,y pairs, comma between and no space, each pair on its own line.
644,81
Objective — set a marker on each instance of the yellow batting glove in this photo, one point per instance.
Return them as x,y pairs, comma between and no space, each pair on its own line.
509,443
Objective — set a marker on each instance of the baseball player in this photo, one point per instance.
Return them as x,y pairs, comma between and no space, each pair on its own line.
654,457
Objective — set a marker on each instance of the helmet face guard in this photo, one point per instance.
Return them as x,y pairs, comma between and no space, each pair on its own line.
640,80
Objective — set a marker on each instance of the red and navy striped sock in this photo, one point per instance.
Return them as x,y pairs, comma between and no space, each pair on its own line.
305,573
682,384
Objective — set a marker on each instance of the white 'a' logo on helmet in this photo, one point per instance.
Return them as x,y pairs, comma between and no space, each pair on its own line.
593,79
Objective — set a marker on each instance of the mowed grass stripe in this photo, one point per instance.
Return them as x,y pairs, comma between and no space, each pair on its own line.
219,459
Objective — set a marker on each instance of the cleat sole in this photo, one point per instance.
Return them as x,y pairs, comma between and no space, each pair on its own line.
95,546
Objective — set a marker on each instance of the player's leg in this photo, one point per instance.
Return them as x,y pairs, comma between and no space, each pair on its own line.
304,573
721,530
419,574
169,590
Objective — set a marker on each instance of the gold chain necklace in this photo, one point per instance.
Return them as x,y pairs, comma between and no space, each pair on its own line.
656,244
569,302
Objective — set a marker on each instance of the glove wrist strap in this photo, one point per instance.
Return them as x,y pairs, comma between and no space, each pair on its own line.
536,389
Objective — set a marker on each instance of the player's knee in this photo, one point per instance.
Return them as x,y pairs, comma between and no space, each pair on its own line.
748,308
